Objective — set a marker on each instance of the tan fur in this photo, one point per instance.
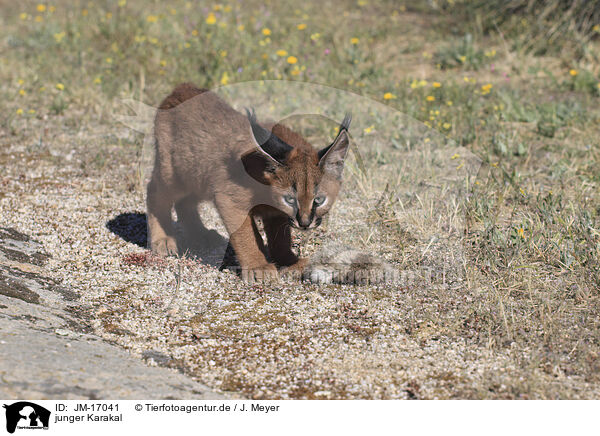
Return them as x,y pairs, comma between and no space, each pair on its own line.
206,151
337,263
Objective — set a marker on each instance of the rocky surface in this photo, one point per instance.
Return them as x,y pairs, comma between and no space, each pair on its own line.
46,346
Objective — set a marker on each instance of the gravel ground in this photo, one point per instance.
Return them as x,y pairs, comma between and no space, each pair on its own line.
291,341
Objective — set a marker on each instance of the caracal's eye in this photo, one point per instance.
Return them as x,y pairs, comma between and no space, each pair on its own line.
319,200
290,199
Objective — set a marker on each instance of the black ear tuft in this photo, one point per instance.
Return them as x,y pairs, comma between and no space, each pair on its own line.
346,121
260,134
267,142
344,126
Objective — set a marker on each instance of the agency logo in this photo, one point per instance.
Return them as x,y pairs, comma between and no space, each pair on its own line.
26,415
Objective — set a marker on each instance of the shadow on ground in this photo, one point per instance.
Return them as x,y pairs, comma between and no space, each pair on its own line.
132,227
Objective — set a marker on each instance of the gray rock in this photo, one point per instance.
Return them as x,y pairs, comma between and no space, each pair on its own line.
47,350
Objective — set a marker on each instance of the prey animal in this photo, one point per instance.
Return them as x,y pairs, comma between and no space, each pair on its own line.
208,151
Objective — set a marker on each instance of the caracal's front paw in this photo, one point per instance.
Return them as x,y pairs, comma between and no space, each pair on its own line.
166,246
265,273
295,270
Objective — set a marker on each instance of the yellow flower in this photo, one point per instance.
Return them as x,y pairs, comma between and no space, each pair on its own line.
449,103
194,32
22,92
51,9
292,60
521,232
446,126
108,60
31,111
369,129
573,73
455,156
58,37
20,82
354,41
490,53
315,36
430,98
437,84
41,8
38,19
388,96
42,88
173,11
301,26
19,111
97,80
227,8
108,15
153,40
60,86
211,19
225,78
84,12
122,3
485,89
163,63
187,44
217,7
23,16
266,31
596,28
223,53
241,28
152,18
281,53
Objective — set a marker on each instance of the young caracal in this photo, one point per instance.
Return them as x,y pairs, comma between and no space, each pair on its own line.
207,151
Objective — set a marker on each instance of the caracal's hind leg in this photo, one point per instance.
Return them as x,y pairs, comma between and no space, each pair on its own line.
161,234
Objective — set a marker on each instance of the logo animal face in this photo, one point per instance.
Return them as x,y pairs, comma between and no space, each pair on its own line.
25,414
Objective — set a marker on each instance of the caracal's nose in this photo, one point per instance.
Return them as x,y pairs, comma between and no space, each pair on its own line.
304,221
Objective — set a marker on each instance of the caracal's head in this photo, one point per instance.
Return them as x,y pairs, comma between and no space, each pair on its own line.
304,182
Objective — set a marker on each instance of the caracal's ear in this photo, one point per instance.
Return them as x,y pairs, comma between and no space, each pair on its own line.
331,158
273,148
